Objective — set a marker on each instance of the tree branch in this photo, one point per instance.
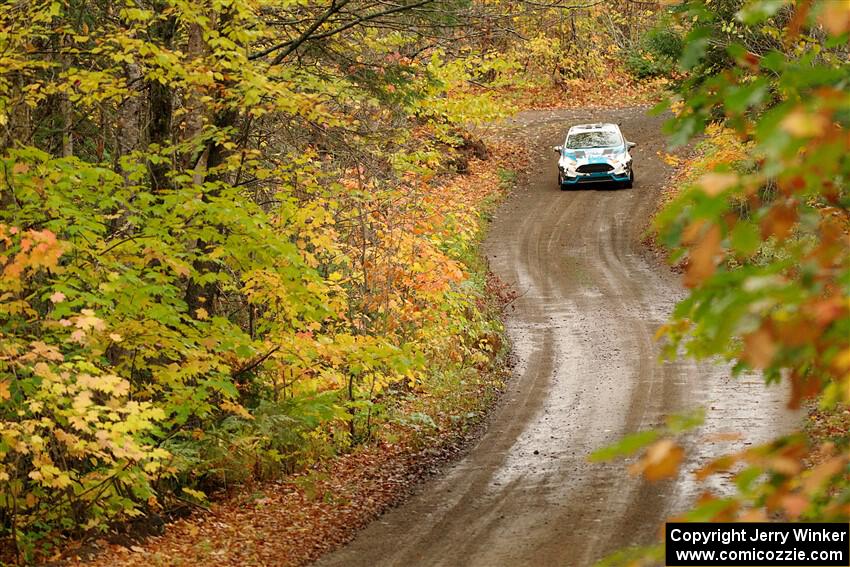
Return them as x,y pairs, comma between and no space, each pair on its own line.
368,17
309,34
291,46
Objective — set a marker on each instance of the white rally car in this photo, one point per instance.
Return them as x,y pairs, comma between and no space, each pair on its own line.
594,153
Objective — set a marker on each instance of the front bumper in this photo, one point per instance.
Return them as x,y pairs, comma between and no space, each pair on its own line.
595,171
600,177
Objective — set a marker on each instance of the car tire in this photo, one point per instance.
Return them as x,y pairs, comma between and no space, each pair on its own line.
630,183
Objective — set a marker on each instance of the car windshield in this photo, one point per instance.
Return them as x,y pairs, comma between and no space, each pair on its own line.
593,139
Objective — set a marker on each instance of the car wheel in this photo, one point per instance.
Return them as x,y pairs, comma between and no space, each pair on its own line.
630,183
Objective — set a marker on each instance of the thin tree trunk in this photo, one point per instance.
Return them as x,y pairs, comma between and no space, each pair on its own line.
128,131
160,109
193,124
67,111
215,153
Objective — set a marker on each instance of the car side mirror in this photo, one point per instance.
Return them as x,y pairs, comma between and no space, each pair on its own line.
631,144
558,149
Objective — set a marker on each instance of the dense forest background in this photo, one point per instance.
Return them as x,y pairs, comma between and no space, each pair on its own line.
238,237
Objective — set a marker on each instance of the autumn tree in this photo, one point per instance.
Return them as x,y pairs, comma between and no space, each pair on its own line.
218,244
763,237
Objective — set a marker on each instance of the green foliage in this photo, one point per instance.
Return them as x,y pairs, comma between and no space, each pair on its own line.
657,52
634,556
576,44
630,444
797,226
220,249
761,228
75,447
626,446
763,234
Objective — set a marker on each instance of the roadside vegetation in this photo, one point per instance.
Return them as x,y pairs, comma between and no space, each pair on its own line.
238,238
758,221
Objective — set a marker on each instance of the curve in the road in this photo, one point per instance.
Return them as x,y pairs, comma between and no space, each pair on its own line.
587,373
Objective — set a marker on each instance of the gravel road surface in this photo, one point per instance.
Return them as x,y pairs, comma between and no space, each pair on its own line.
587,373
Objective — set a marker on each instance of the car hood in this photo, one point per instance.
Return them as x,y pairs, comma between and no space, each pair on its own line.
593,155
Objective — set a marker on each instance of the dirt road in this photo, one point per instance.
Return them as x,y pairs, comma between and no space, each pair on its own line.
587,373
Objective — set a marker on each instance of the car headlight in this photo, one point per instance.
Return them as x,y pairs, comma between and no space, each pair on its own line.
622,161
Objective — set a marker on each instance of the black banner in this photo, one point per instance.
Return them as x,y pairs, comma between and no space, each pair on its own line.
760,544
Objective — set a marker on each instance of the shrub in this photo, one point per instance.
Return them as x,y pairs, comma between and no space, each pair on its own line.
656,54
75,449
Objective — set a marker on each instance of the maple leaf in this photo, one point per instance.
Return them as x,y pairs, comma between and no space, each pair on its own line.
661,460
835,16
803,124
715,183
48,352
702,260
780,219
822,473
794,505
78,336
759,348
88,320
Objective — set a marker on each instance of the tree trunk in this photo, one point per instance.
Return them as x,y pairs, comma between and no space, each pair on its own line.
66,110
214,154
160,109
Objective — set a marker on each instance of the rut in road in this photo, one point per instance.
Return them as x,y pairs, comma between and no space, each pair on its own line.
587,373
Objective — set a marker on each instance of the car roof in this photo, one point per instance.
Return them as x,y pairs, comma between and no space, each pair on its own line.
594,127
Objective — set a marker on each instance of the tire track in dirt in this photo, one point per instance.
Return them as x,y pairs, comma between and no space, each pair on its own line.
587,373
